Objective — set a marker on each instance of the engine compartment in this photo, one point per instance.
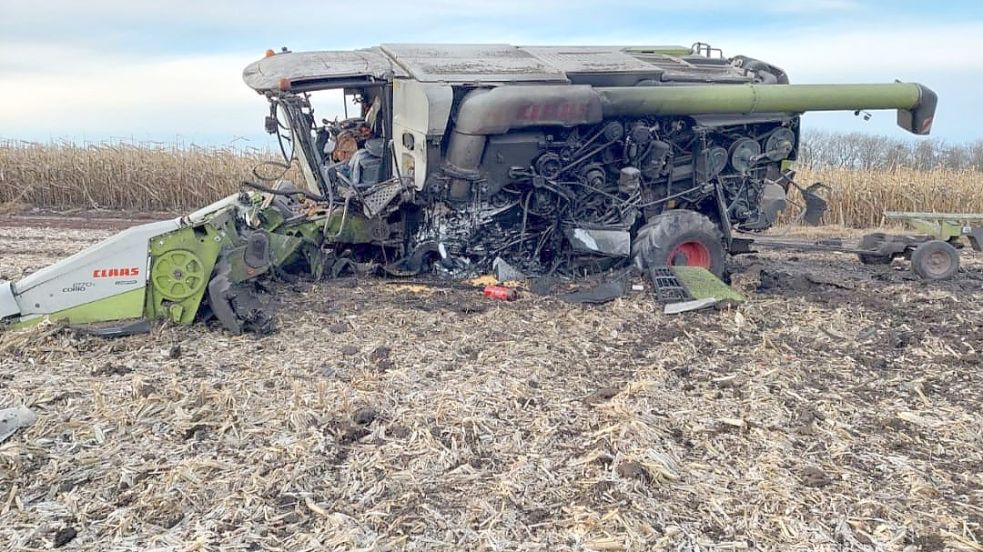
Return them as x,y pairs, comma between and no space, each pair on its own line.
537,189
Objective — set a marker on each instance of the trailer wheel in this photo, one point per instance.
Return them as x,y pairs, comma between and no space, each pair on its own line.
873,242
935,260
679,238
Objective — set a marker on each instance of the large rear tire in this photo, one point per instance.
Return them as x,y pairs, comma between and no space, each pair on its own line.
680,238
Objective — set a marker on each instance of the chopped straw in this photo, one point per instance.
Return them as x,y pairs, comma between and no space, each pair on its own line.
381,418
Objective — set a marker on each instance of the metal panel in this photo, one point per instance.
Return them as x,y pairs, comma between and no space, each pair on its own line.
8,305
421,110
472,63
321,67
591,59
111,267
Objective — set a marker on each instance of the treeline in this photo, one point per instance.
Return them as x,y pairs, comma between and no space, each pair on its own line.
859,151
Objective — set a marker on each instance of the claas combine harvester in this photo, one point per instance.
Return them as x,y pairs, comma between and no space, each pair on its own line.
550,160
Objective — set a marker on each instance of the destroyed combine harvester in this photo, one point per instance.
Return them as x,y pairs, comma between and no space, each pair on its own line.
546,160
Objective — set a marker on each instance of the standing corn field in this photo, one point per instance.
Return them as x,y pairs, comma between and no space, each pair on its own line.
145,177
858,198
161,177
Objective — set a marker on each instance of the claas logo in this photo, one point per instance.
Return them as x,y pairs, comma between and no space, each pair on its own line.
115,272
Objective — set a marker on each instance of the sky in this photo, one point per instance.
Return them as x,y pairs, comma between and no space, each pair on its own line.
170,70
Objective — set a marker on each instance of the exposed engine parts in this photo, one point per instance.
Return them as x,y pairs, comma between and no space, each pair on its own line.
537,193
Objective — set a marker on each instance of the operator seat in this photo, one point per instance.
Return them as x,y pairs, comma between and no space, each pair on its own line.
366,164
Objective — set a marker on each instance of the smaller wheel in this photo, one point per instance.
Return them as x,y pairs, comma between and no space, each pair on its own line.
873,242
935,260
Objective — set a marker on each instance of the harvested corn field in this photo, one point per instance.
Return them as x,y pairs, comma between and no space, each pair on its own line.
838,409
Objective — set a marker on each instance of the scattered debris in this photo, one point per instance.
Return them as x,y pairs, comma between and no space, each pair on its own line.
64,536
12,419
485,427
700,283
703,286
687,306
364,415
504,272
634,470
607,290
668,288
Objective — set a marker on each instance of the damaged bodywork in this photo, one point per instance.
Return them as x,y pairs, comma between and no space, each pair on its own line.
467,158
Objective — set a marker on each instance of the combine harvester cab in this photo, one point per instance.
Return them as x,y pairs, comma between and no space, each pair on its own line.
460,158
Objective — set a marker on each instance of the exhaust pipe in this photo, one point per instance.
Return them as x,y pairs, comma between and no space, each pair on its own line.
497,110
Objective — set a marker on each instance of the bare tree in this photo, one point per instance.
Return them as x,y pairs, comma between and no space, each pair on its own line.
873,152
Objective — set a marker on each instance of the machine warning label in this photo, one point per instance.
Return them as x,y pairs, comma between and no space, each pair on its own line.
115,272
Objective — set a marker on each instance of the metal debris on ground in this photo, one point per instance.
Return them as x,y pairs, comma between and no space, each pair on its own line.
12,419
687,306
668,288
700,283
607,290
705,289
505,272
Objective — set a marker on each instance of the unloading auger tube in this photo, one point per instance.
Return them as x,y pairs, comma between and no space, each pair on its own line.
485,112
915,103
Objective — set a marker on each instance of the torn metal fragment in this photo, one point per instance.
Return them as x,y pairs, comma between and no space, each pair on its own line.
12,419
615,243
686,306
505,272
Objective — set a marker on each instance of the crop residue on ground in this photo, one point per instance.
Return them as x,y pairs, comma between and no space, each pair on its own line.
839,408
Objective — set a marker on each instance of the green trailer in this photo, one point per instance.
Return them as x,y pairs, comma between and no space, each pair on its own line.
934,253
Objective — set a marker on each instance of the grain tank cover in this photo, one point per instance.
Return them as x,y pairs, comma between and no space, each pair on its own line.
478,63
491,64
319,70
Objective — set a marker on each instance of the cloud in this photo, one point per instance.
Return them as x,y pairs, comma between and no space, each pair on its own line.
181,24
184,77
76,94
863,50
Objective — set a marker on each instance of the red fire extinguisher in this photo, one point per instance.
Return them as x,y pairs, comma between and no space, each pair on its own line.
501,293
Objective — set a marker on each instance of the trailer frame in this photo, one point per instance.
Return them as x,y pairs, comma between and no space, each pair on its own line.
934,252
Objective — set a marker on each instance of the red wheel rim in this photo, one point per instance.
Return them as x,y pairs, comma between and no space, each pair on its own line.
690,253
